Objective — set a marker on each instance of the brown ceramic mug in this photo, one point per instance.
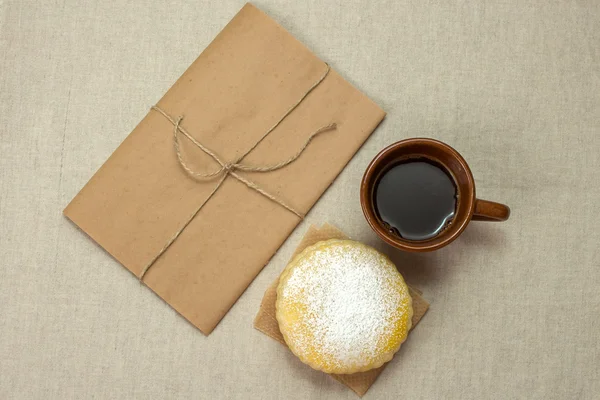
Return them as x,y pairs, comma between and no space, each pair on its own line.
468,207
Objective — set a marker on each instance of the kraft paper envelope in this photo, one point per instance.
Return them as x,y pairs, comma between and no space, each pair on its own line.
240,86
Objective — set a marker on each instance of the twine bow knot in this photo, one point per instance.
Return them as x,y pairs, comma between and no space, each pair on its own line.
231,168
228,167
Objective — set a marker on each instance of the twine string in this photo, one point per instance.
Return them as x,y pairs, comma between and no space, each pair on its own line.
231,168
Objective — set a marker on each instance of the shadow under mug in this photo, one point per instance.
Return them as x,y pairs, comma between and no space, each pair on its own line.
468,207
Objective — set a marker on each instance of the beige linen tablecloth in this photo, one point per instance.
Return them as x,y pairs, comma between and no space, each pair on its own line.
513,85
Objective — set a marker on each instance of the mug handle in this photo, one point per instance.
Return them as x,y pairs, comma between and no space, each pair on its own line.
490,211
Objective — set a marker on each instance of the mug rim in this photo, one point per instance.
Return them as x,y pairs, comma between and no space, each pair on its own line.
435,243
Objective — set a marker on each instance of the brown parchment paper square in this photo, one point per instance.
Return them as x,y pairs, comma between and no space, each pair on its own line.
266,322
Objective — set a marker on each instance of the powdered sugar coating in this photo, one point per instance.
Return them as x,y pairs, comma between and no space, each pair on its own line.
343,307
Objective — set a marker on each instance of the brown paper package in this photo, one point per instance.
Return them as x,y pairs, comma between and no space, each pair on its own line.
266,322
239,86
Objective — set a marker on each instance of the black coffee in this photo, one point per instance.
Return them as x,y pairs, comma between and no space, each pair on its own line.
415,199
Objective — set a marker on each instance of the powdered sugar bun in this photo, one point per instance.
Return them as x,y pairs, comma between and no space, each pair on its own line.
343,307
